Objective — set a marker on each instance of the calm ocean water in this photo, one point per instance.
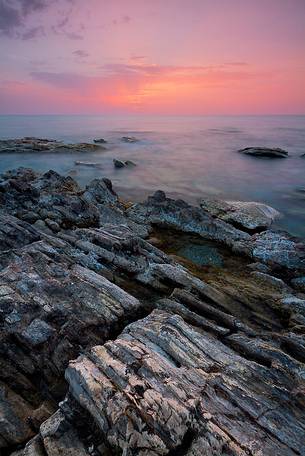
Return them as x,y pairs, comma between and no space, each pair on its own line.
187,157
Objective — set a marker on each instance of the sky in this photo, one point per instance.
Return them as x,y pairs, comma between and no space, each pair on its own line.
169,57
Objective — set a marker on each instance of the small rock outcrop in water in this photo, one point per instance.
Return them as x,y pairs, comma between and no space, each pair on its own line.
29,145
88,164
110,346
251,216
100,141
129,139
122,164
264,152
118,163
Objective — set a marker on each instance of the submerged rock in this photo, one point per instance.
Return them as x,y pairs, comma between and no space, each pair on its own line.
251,215
202,255
265,152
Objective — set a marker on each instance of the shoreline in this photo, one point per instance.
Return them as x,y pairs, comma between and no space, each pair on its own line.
155,325
85,161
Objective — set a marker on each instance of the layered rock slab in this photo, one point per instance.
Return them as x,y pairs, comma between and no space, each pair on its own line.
49,309
275,248
250,215
162,386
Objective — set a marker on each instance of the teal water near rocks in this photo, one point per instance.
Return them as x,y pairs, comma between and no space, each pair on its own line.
201,255
187,157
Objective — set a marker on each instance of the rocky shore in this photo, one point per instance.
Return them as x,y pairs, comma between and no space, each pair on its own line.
116,341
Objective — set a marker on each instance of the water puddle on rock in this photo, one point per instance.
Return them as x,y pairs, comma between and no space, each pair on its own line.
193,250
201,254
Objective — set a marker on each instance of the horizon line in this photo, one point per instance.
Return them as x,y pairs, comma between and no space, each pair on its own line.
153,114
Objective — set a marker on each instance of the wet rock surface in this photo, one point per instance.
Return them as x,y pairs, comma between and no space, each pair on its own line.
265,152
277,249
116,339
123,164
31,144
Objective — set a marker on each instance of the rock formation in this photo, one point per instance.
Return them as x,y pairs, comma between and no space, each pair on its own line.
265,152
30,144
111,346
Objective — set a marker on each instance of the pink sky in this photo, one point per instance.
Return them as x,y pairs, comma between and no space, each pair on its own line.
156,57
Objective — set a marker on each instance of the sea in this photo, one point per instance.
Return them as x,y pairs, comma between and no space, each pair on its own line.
188,157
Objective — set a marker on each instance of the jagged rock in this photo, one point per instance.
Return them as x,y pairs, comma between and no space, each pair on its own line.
265,152
294,304
250,216
51,196
218,368
299,283
49,308
60,436
15,233
260,267
277,249
52,182
269,280
42,226
37,332
14,412
100,192
166,212
162,383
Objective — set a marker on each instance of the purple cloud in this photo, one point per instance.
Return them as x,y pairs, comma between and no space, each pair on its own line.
34,32
124,19
13,14
81,54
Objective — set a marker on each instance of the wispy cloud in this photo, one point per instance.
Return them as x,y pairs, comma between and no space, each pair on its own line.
123,19
81,54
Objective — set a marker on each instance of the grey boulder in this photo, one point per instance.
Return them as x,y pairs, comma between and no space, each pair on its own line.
250,215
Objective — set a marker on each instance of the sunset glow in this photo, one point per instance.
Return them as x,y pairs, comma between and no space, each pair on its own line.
173,57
